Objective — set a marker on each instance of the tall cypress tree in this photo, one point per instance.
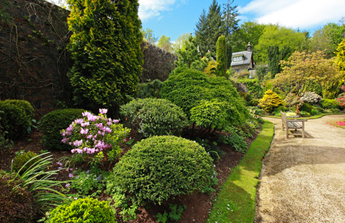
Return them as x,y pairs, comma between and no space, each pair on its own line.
221,56
105,47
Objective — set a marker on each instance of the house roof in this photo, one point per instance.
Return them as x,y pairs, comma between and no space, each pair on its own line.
247,56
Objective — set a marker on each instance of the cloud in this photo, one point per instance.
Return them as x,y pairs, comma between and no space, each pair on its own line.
153,8
301,14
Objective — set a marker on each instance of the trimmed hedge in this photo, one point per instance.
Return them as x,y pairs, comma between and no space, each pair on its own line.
16,118
162,167
52,123
153,116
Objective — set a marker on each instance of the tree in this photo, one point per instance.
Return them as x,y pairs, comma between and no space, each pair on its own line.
209,28
248,32
280,36
105,47
164,43
303,69
340,58
149,36
273,60
327,38
229,19
221,56
188,56
180,43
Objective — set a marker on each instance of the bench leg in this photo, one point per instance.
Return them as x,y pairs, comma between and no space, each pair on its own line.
283,126
303,130
287,132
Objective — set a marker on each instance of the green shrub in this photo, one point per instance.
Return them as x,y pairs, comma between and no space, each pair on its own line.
254,88
234,140
162,167
304,113
187,88
150,90
329,104
86,210
4,143
153,116
16,203
306,107
52,123
21,159
270,101
16,117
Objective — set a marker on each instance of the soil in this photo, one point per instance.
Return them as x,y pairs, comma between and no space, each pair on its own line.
198,205
302,179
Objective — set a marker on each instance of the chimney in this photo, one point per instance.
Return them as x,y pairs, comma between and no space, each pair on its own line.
249,47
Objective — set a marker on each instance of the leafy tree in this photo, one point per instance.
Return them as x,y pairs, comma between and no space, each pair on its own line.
221,56
247,32
149,36
273,60
280,36
164,43
328,38
303,69
105,47
180,43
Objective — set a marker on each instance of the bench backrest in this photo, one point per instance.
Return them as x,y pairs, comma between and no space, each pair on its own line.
283,115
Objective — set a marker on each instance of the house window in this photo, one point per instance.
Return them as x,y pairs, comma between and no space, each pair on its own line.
237,59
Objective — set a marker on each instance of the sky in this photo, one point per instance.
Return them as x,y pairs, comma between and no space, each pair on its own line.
173,18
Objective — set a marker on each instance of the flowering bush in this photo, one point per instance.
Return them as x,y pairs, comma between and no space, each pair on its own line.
93,134
310,97
341,100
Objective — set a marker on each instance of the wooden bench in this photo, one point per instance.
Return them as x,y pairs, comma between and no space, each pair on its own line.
292,124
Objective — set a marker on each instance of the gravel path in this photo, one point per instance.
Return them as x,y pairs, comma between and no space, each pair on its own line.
303,180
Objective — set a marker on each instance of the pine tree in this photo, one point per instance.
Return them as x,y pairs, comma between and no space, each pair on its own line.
229,19
188,56
105,47
221,56
214,27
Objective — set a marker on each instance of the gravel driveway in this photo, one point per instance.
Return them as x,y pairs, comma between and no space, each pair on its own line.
303,180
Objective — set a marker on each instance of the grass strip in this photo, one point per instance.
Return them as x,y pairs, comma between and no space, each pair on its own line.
236,200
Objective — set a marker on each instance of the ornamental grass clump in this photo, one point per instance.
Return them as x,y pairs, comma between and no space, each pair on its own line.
93,134
162,167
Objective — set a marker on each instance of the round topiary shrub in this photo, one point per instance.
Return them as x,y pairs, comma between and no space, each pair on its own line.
16,205
152,116
16,117
52,123
162,167
86,210
21,159
187,88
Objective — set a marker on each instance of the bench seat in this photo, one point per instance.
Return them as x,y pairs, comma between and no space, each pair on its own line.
292,124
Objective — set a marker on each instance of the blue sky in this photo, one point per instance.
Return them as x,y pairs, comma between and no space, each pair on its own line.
175,17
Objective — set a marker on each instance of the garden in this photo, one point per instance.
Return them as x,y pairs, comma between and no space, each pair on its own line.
117,148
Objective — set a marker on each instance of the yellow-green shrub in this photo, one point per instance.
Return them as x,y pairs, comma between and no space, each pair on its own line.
270,101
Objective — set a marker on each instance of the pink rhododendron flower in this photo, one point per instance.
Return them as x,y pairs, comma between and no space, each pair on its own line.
103,111
116,121
77,143
84,131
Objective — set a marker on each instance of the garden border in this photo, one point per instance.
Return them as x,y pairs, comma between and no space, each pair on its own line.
236,200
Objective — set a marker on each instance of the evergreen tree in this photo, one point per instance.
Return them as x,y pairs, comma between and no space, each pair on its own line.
229,20
105,47
200,33
188,56
214,27
221,56
273,60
